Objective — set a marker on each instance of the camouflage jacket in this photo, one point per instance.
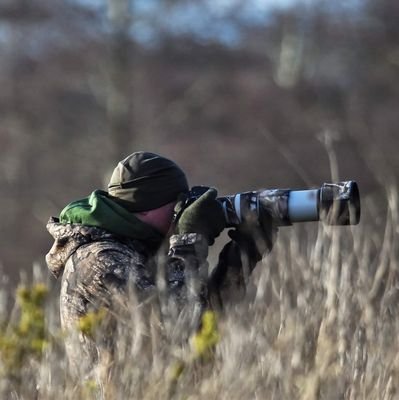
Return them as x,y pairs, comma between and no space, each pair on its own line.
102,271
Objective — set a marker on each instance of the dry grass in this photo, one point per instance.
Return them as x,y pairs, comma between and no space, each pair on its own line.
319,322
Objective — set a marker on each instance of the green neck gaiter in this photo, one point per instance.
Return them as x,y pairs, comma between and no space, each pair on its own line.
100,211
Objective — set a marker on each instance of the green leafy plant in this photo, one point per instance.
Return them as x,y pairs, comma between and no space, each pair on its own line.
26,337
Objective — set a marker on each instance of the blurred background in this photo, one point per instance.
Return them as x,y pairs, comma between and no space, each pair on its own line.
243,94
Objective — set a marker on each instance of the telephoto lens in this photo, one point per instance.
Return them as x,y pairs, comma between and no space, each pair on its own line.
332,203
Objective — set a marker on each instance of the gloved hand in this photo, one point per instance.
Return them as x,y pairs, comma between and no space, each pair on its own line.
205,216
255,236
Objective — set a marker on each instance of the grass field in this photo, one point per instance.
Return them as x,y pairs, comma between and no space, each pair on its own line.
319,322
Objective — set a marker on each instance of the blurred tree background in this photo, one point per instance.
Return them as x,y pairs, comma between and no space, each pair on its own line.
243,94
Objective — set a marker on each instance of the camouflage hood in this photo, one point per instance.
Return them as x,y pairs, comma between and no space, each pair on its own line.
68,237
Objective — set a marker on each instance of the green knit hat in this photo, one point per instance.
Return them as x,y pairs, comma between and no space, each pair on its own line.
145,181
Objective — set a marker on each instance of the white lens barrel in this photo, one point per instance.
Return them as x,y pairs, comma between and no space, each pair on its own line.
332,203
237,206
303,205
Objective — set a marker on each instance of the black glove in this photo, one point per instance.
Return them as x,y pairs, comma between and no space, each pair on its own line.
205,216
255,236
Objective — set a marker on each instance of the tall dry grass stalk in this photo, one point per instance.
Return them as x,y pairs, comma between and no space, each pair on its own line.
320,321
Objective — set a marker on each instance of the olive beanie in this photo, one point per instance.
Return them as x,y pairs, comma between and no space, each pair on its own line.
144,181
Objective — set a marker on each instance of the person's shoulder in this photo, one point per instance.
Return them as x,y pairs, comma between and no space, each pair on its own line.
113,250
105,261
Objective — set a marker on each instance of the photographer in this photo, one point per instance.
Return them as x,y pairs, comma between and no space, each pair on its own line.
145,237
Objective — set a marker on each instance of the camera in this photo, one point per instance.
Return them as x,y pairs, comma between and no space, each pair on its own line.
332,203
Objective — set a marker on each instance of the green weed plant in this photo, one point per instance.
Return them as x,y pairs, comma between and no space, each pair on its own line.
25,338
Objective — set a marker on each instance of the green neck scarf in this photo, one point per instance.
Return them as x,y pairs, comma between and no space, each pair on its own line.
100,211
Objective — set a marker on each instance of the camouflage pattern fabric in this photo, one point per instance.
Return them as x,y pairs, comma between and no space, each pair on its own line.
102,271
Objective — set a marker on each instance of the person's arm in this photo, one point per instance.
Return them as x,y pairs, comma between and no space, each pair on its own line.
250,242
184,296
186,272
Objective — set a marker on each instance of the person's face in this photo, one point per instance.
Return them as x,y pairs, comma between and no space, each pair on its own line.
160,218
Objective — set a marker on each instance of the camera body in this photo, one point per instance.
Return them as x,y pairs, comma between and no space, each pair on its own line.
332,203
